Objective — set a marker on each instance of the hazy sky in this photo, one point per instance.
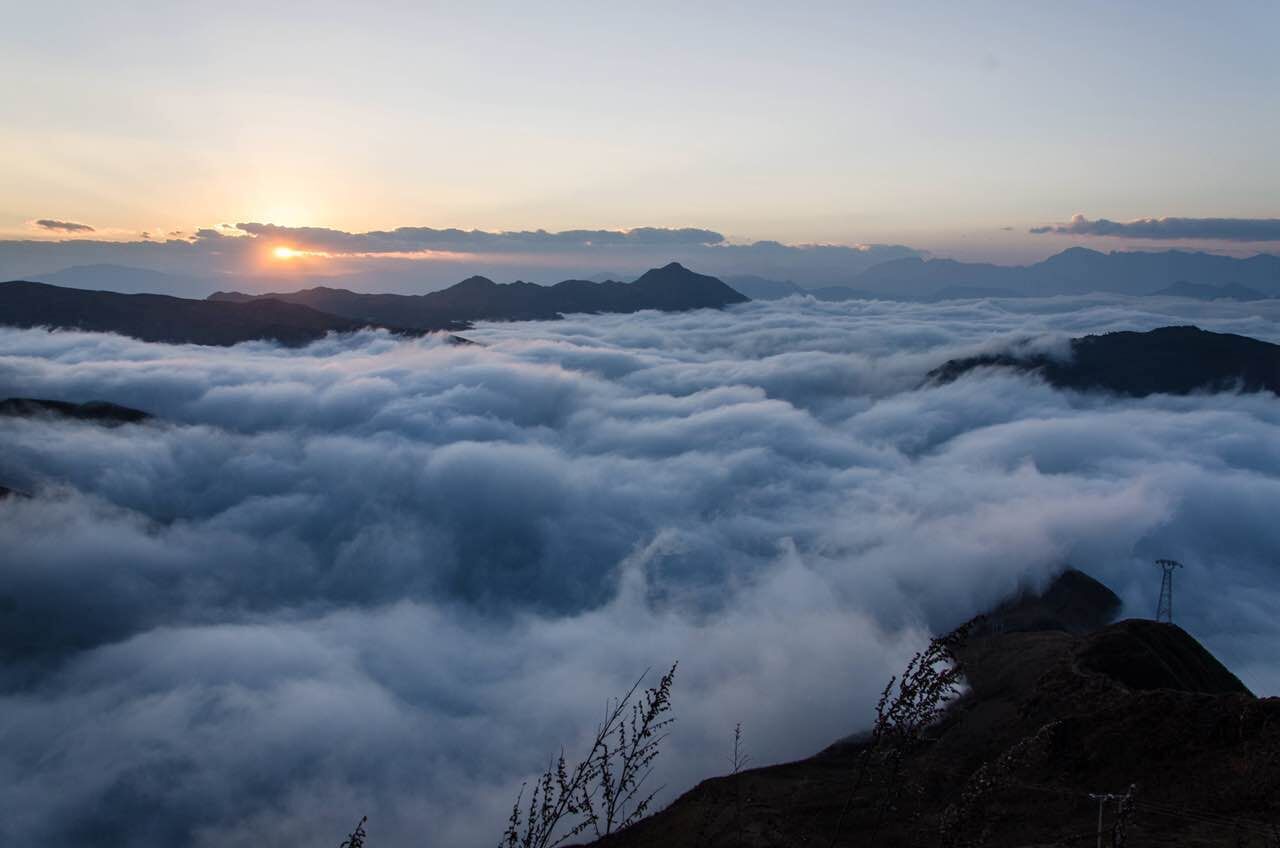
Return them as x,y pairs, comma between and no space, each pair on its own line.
933,125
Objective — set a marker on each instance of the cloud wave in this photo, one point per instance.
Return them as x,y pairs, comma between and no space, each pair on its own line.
388,577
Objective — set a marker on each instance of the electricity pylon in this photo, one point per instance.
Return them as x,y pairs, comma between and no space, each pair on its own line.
1164,609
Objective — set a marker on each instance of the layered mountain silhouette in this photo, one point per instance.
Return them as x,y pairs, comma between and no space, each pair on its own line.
161,318
1169,360
297,318
129,280
672,288
1060,704
1076,270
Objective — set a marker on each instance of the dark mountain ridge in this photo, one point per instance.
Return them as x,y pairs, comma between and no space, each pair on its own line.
161,318
1168,360
672,288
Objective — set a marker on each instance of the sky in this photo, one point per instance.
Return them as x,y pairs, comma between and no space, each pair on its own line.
950,129
388,577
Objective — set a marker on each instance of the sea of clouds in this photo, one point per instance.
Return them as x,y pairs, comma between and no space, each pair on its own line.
390,578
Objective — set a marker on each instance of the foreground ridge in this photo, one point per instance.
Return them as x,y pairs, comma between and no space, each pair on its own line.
1056,710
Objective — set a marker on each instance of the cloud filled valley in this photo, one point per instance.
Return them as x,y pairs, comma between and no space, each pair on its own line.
389,577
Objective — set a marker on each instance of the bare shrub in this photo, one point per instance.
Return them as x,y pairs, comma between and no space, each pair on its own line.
356,838
909,706
603,792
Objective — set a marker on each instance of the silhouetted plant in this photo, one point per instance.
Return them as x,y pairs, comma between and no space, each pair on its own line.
929,683
602,793
356,838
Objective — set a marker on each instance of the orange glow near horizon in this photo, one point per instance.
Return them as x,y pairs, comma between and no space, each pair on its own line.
283,252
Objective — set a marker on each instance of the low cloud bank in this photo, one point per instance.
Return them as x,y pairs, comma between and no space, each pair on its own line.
411,259
1171,229
390,577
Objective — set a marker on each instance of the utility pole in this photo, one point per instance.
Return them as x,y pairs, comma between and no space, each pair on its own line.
1101,799
1125,807
1164,609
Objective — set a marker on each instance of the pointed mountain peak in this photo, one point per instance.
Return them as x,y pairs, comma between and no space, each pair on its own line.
476,282
670,271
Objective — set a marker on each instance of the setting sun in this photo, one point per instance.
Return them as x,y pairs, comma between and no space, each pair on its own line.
285,253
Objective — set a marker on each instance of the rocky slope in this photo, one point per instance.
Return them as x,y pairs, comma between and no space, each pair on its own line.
1052,715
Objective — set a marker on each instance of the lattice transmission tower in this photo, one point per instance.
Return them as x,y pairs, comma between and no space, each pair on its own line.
1164,609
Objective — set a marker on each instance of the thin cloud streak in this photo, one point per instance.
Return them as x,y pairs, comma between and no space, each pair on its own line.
1171,229
64,226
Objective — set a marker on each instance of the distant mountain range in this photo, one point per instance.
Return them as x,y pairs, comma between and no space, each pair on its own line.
1077,270
671,288
129,280
1073,271
297,318
1170,360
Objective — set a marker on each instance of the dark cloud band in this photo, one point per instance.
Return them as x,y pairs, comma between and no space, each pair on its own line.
411,239
1171,229
63,226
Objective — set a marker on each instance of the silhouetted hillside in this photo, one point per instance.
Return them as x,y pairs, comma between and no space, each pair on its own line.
160,318
1050,717
1073,271
98,411
1169,360
129,280
672,288
1073,602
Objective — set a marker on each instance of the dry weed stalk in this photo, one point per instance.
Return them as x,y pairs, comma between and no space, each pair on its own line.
602,793
926,687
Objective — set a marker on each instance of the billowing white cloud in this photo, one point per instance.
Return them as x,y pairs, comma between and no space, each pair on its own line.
389,577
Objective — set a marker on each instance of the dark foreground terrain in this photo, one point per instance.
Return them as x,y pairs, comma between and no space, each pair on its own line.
1057,709
1168,360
